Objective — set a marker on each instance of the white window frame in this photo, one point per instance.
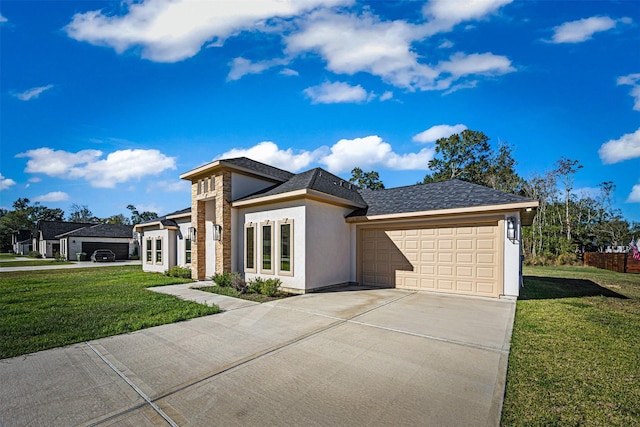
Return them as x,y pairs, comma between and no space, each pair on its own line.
158,252
288,222
254,227
269,224
150,243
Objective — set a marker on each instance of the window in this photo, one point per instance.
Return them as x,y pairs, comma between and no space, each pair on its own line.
285,266
149,250
187,251
158,250
250,248
267,249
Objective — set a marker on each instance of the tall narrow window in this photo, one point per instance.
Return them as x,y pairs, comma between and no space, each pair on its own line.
267,249
250,248
187,251
149,250
285,266
158,250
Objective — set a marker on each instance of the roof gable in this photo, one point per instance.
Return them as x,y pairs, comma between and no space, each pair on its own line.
101,230
50,229
240,164
315,179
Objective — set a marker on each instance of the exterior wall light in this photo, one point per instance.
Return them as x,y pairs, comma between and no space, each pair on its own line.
217,232
192,235
511,229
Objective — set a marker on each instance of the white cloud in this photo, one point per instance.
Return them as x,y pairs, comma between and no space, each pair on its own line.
32,93
625,148
240,67
445,14
3,19
438,131
171,31
461,64
371,152
351,44
5,183
583,29
269,153
386,96
338,92
289,72
118,167
446,44
632,80
54,196
634,196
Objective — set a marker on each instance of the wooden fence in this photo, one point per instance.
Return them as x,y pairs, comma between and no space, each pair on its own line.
622,263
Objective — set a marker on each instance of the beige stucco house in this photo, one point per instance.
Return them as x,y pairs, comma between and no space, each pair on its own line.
313,230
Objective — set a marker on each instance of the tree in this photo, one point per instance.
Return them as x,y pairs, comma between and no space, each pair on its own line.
462,156
566,170
469,157
24,216
117,219
138,217
370,180
81,213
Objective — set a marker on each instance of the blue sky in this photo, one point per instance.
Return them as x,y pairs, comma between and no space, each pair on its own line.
104,104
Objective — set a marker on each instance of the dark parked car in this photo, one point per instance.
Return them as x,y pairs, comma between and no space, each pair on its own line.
103,255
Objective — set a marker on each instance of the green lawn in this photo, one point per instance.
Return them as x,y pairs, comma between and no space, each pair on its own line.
575,354
52,308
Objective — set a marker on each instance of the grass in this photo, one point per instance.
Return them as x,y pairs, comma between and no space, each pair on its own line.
5,255
575,354
230,292
52,308
32,263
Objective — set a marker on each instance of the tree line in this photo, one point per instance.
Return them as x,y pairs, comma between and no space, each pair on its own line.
566,224
25,216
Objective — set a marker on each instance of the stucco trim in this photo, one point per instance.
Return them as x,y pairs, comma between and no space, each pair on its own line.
305,193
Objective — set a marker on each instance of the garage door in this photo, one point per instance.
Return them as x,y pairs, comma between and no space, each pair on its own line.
462,260
120,249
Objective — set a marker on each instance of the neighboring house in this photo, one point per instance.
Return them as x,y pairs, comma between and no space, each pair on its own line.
21,242
166,241
314,230
116,237
44,237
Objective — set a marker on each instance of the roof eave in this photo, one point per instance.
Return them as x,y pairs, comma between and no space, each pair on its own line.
519,206
221,164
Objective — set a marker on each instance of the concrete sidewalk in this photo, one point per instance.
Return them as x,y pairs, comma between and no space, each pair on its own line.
190,292
357,357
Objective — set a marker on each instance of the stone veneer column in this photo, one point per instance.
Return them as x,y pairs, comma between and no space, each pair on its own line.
223,218
198,249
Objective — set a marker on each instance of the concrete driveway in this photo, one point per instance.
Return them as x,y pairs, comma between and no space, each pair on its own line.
354,357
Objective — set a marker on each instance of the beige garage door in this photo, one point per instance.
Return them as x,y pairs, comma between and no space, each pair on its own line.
463,259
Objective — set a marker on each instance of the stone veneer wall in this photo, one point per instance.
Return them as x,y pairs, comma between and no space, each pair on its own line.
223,217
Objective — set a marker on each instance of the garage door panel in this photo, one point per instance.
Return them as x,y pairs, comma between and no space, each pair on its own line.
449,259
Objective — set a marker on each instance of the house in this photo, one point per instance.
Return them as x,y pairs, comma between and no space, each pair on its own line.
45,238
116,237
69,238
21,242
314,230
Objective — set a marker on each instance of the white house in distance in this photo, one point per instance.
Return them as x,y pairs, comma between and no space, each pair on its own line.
313,230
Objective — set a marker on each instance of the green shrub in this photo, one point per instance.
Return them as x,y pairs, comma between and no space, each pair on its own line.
255,285
59,257
567,259
34,254
270,287
222,279
177,271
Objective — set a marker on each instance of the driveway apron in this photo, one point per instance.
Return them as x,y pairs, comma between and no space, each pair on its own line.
350,357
